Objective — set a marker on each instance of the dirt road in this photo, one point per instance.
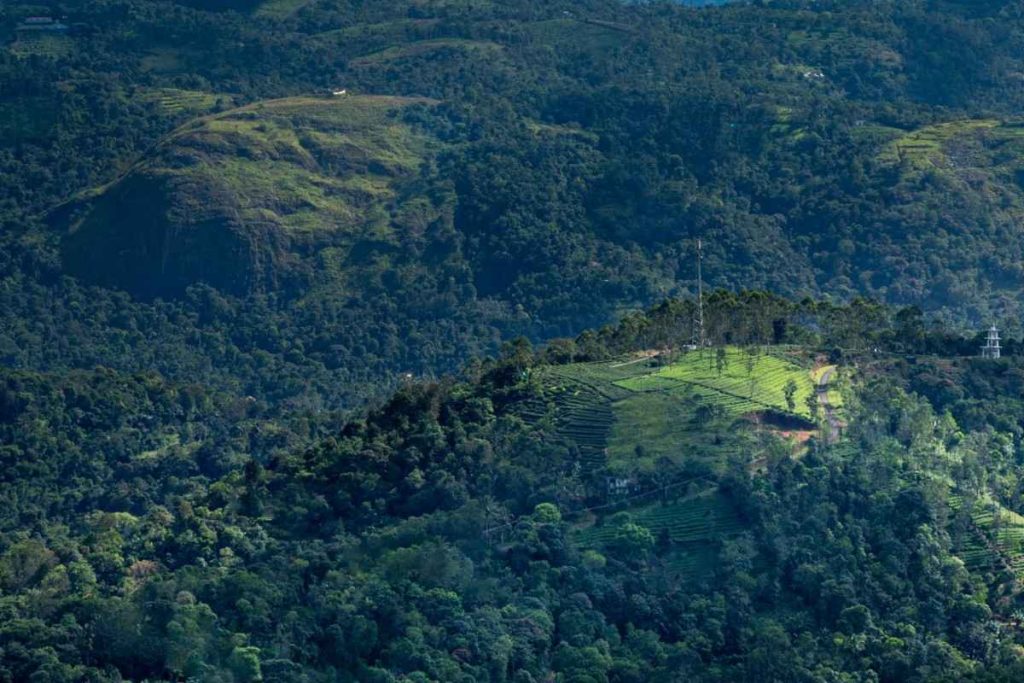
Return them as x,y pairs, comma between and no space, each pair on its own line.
834,425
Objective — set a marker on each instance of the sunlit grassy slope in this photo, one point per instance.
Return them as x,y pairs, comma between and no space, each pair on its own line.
306,163
303,163
648,414
628,414
176,101
47,46
240,186
990,145
477,48
279,9
744,382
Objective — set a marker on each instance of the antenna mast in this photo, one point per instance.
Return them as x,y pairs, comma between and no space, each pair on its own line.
699,339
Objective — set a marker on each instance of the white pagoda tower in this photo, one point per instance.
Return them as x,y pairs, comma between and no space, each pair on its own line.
991,348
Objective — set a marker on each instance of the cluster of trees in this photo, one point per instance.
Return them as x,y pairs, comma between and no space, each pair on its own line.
194,508
581,153
862,328
153,530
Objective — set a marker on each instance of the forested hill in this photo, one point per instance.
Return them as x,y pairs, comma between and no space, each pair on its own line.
243,241
179,192
612,509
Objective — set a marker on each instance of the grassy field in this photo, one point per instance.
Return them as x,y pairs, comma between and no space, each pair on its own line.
302,164
175,101
926,146
482,49
167,59
273,177
628,415
745,382
578,35
50,46
989,145
380,36
280,9
633,414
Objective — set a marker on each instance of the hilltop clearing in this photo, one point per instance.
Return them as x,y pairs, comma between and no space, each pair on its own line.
635,416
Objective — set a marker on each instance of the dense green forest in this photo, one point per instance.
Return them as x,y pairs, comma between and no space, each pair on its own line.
350,340
180,192
474,530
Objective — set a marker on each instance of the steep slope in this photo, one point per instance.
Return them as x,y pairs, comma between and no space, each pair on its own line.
576,154
454,533
237,199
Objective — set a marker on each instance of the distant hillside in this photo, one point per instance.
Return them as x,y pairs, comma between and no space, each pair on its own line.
494,169
237,199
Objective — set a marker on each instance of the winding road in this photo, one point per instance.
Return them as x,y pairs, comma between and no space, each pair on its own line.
834,425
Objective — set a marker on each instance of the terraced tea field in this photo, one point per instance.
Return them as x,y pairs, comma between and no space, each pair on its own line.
693,526
175,101
636,414
584,416
999,539
745,382
924,146
968,143
579,398
703,517
629,414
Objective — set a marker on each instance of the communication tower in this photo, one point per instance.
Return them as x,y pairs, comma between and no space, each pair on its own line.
699,340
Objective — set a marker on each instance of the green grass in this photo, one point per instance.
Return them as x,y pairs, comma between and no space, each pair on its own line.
653,426
483,49
176,101
283,173
163,60
280,9
538,128
735,388
579,35
628,415
580,413
304,164
925,146
379,36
